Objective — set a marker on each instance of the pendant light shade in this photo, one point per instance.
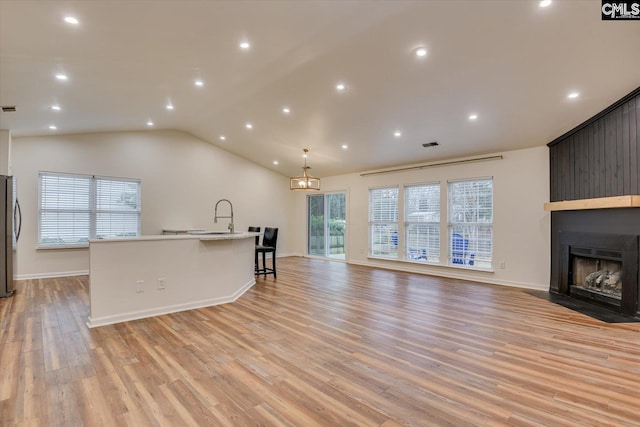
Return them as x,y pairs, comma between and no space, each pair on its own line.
306,181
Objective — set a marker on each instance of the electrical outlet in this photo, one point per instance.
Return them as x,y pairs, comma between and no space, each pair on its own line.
139,286
162,283
503,265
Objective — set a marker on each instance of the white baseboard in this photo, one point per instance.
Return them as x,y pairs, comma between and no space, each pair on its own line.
287,255
125,317
52,275
290,254
454,274
279,255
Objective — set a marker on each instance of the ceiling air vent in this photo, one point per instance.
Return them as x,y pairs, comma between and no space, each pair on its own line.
430,144
8,108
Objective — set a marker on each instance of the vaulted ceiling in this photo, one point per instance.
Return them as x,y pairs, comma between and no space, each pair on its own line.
511,63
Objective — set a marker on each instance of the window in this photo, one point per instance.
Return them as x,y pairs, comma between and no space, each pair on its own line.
471,223
76,208
422,222
383,222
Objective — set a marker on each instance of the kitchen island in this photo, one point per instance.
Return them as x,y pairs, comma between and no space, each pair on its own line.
134,278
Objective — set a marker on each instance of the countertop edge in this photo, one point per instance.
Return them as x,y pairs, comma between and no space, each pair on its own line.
202,237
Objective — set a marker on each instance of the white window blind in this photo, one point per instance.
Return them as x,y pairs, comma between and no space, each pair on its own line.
76,208
471,223
422,222
383,222
117,208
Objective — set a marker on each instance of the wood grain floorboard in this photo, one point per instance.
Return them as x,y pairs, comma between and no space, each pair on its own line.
325,344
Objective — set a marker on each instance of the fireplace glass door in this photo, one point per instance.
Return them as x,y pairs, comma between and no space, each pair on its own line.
601,277
600,268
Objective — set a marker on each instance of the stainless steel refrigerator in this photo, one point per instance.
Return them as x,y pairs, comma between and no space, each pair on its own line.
10,224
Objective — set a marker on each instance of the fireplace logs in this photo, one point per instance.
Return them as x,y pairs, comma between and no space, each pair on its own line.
604,281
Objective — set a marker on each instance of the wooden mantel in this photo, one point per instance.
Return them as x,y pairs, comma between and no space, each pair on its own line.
598,203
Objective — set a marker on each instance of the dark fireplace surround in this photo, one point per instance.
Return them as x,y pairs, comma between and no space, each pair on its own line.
609,234
611,249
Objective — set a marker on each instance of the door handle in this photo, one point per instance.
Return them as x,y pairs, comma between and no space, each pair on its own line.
17,221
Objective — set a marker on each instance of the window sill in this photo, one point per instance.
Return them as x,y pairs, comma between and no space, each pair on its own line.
433,264
67,247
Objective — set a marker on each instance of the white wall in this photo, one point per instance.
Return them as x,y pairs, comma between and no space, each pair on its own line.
5,152
182,178
521,226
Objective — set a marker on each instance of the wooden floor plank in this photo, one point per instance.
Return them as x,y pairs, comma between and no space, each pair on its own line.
33,397
9,369
95,411
324,344
191,409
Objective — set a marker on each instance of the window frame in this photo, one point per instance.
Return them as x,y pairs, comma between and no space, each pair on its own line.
90,208
432,255
374,223
468,249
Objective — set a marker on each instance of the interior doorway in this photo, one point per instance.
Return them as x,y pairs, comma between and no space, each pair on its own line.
327,225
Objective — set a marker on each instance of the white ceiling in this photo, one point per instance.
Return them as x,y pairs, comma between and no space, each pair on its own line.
511,62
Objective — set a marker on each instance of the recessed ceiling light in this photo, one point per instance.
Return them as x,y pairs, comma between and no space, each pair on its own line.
53,127
245,45
56,108
573,95
62,77
222,138
286,110
421,52
544,3
71,20
149,123
345,146
275,162
169,107
199,83
340,87
248,126
473,116
397,134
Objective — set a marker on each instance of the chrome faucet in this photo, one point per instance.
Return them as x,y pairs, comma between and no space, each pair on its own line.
215,215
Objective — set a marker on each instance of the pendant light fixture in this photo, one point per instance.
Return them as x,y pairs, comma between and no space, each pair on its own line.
306,181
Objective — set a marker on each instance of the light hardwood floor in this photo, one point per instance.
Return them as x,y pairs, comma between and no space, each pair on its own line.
326,344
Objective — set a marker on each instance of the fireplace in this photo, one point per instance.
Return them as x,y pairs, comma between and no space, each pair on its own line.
594,200
601,269
597,276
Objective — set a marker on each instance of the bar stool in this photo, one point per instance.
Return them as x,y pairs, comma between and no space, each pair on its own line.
269,240
255,230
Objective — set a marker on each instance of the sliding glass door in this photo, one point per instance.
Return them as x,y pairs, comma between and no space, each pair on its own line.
315,225
327,225
336,204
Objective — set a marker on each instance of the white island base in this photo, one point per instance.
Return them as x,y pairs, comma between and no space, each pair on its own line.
152,275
